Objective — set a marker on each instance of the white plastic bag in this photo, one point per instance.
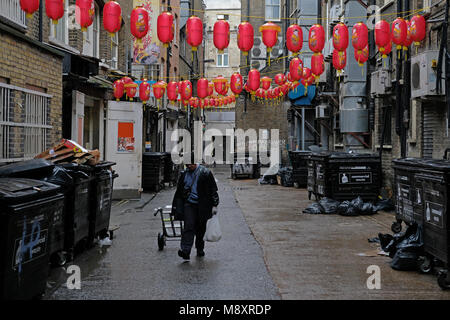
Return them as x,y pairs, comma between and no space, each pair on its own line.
213,232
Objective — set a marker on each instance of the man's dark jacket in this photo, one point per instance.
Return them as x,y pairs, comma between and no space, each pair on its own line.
207,194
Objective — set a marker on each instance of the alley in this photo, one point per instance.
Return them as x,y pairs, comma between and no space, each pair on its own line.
269,250
133,268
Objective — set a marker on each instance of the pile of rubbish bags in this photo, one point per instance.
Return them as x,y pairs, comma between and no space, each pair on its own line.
356,207
405,249
285,174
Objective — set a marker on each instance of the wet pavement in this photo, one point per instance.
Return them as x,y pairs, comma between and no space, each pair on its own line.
269,250
324,256
133,268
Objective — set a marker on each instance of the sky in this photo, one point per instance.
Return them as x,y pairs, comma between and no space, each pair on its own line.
222,4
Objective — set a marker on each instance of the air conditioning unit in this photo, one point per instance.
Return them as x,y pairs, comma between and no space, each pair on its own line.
335,14
381,82
259,52
424,75
322,111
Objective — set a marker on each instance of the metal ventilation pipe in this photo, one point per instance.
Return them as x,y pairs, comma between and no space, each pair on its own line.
354,115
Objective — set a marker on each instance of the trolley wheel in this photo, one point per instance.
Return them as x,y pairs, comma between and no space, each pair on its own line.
161,242
442,280
396,227
427,265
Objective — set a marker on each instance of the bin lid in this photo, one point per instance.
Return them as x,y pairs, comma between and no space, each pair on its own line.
412,162
19,190
35,168
347,155
154,154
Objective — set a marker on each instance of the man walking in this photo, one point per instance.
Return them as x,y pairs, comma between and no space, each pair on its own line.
195,201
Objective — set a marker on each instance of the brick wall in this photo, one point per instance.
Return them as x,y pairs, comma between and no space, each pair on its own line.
26,65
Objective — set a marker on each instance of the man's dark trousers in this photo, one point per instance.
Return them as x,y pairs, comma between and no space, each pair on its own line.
194,226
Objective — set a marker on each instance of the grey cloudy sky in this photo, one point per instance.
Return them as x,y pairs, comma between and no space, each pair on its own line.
222,4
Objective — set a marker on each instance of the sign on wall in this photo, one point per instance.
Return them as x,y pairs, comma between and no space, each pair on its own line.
148,51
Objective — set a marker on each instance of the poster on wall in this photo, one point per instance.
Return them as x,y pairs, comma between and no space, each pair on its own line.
148,51
125,137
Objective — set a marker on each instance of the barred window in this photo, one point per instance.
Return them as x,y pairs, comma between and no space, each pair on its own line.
10,9
24,123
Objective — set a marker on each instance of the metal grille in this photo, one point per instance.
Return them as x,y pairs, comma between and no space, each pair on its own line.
11,10
24,123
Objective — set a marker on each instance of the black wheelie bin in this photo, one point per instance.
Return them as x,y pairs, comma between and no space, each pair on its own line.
153,170
77,208
101,200
299,162
408,192
28,208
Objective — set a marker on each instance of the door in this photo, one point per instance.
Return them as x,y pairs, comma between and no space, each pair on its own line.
124,147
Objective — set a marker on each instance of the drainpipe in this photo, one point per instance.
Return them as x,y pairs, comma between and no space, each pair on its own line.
406,103
41,29
398,94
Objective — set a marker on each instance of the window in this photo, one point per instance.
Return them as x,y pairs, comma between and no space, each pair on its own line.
223,17
24,138
115,51
10,9
60,31
222,59
91,37
273,10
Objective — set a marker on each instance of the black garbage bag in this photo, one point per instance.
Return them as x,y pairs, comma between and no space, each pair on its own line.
60,177
409,249
357,204
343,209
368,209
314,208
385,205
329,206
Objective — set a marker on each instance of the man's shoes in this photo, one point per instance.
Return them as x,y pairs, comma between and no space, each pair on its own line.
200,253
183,255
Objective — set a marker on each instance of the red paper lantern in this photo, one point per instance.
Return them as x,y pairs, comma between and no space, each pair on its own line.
236,83
54,9
130,88
317,65
159,89
316,38
280,79
363,56
139,23
220,84
277,92
294,38
418,29
260,93
285,89
387,50
408,40
245,37
191,101
206,102
339,60
254,80
221,35
296,69
399,32
210,89
119,89
382,36
266,82
29,6
340,37
172,91
194,32
289,76
165,28
186,90
270,32
84,13
360,36
112,17
144,91
202,88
